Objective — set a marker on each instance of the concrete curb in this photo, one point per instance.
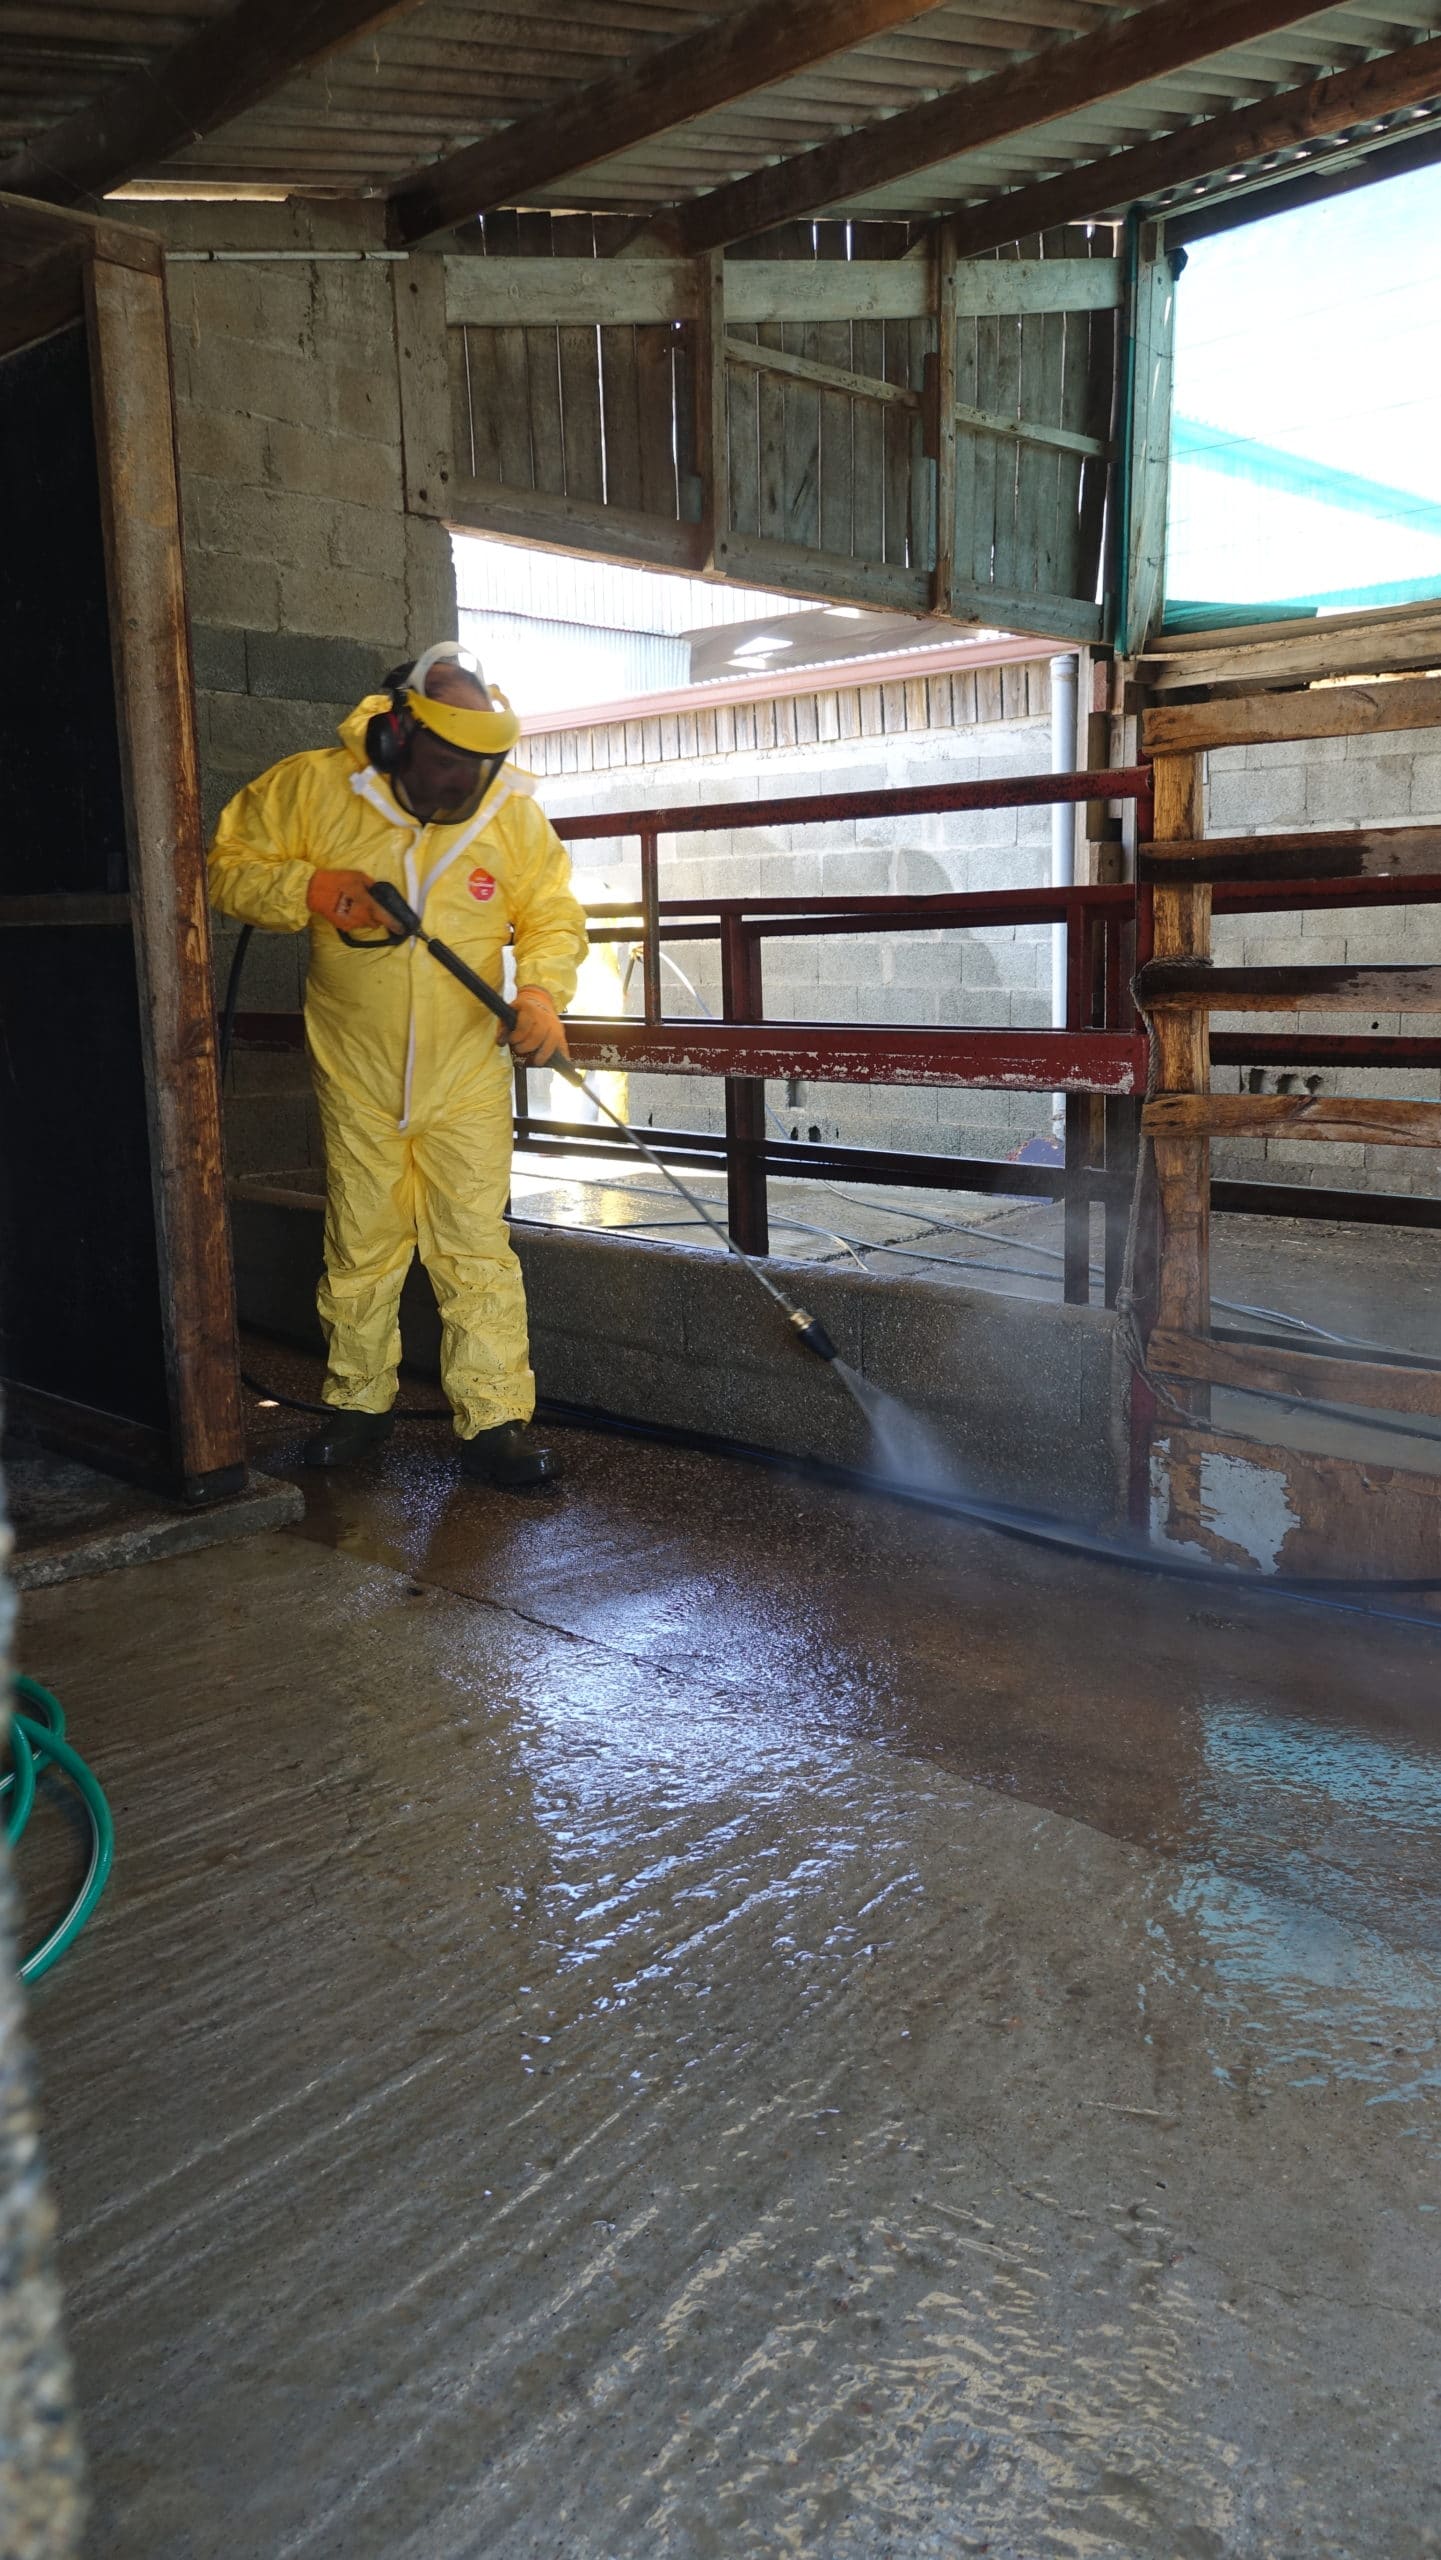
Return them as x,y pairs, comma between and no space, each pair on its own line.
1028,1402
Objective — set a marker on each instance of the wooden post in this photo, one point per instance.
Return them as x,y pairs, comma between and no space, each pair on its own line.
944,377
711,441
134,418
1182,931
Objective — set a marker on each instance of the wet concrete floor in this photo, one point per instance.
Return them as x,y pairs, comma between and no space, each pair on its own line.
704,2014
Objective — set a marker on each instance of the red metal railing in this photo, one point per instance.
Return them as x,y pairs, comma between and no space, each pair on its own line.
1098,1061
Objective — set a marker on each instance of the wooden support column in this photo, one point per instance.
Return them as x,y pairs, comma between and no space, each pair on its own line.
1182,930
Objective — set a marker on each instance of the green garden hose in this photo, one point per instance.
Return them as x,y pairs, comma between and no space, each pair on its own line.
37,1741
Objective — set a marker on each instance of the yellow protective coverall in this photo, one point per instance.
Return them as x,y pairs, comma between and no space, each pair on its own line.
414,1090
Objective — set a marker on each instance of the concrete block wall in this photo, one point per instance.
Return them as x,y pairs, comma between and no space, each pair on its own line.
306,577
992,979
1330,782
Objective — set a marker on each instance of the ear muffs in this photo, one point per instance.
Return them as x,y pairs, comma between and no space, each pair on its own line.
388,735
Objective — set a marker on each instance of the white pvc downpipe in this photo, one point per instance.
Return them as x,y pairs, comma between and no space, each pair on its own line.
1065,673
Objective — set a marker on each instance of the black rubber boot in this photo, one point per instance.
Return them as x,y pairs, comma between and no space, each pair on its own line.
507,1456
350,1436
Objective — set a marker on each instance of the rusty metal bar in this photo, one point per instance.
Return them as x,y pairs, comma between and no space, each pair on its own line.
853,1053
1003,791
653,1002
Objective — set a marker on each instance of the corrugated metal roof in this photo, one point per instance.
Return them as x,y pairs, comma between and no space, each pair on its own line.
446,73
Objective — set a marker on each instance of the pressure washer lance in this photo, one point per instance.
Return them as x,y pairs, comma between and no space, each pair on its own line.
807,1329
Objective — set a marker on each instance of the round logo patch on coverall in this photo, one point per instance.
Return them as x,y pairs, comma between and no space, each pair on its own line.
481,884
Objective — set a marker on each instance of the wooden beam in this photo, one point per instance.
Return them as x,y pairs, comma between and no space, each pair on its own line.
1058,81
1361,164
1278,123
1309,1376
1256,655
985,422
729,58
539,293
1007,609
712,436
999,287
1187,987
1264,719
229,64
1345,853
1293,1115
943,419
777,360
574,524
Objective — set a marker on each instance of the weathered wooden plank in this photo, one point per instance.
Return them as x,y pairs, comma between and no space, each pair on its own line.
498,390
1340,853
569,292
1290,1511
427,437
802,511
868,444
492,292
572,524
987,422
743,440
578,353
1330,711
1332,1117
620,410
829,345
1402,638
1182,933
1042,353
1008,609
988,288
1392,987
757,561
709,394
1153,327
947,412
896,427
135,435
826,375
1310,1376
656,392
987,483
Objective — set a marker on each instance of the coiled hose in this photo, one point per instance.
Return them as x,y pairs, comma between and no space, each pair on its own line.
37,1741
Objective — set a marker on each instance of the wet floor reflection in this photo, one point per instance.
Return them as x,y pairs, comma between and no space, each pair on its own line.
1299,1750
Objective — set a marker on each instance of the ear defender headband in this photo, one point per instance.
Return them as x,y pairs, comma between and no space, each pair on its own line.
476,732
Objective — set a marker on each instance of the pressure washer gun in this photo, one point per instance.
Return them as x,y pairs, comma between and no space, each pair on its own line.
806,1328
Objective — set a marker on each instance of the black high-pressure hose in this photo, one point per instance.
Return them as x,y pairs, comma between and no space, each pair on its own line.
807,1328
1029,1527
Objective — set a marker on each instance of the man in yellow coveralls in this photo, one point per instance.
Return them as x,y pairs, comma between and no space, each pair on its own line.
414,1093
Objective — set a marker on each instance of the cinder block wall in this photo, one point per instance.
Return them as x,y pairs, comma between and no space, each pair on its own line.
994,979
306,577
1330,782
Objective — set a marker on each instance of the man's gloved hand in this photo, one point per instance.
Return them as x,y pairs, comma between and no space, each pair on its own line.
539,1035
344,899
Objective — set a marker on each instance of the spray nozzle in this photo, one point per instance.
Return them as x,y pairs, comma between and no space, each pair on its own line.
813,1334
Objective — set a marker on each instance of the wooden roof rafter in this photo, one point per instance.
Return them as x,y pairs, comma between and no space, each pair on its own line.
1040,88
729,58
1280,123
212,75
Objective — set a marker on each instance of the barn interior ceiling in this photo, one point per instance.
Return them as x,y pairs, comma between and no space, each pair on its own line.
715,125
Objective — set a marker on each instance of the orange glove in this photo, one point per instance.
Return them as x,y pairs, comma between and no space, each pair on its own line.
539,1035
344,899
